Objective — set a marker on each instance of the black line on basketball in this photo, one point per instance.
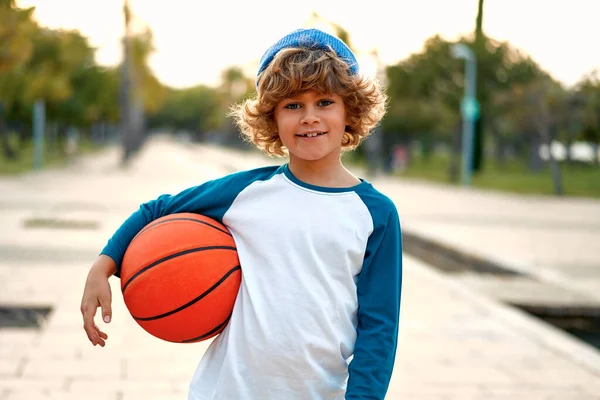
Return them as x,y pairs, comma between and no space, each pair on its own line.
209,333
181,253
197,299
180,219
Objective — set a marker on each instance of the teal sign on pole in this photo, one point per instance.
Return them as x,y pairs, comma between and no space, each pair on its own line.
469,108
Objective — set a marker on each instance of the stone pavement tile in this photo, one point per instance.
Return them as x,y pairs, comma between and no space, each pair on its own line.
131,385
13,351
68,344
11,367
35,286
18,337
146,389
552,378
137,369
522,351
430,392
172,395
593,391
91,393
67,316
16,383
468,392
532,393
404,395
42,368
443,375
518,290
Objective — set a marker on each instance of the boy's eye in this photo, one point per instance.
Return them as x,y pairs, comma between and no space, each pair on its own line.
324,103
292,106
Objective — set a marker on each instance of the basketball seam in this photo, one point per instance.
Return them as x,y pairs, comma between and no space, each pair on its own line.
207,334
171,256
178,219
193,301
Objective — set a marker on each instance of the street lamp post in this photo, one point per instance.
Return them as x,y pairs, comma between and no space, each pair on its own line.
469,108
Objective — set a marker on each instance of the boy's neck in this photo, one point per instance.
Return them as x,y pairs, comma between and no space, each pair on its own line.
325,173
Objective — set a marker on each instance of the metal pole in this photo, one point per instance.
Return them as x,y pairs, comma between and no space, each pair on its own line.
39,126
469,117
125,94
469,109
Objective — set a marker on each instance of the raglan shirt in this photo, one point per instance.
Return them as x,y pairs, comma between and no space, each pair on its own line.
316,316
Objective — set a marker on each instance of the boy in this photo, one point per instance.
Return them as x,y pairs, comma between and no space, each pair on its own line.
317,313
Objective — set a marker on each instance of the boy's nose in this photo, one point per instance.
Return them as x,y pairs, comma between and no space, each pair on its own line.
309,118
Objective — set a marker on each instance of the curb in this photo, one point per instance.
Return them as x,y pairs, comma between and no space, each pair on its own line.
555,340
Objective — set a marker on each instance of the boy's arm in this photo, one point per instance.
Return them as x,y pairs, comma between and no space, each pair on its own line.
212,199
379,289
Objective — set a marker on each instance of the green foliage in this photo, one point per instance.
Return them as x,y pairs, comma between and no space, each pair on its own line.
191,109
589,89
58,66
16,26
202,109
426,88
53,156
424,92
152,91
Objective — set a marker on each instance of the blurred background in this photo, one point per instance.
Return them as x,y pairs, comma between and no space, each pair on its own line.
525,118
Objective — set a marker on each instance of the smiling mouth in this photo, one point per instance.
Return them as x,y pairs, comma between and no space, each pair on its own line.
309,135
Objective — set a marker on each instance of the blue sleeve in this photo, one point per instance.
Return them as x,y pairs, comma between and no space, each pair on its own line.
211,199
379,288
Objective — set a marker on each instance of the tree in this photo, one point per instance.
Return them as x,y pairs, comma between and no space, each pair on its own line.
16,27
514,69
431,82
152,91
197,109
589,88
539,107
338,30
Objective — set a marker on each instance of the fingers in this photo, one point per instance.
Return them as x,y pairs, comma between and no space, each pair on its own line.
96,294
88,312
102,337
94,334
105,303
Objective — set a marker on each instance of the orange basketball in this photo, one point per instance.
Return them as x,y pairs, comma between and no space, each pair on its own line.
180,277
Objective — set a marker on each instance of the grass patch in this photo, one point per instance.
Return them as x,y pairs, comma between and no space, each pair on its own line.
53,157
578,180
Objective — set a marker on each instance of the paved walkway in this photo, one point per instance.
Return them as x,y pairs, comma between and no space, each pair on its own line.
455,343
554,241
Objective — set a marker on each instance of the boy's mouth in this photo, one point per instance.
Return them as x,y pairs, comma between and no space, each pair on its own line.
311,134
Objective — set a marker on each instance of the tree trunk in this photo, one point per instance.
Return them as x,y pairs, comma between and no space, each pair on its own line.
534,161
569,155
455,146
547,137
9,152
556,177
499,146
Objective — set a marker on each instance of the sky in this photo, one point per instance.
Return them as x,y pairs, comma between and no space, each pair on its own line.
195,40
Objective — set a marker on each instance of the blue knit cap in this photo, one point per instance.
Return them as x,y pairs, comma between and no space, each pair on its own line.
312,39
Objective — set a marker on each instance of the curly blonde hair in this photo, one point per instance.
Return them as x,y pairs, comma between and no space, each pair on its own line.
295,70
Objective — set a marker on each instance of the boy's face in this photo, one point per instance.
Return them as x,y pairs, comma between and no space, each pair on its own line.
311,125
